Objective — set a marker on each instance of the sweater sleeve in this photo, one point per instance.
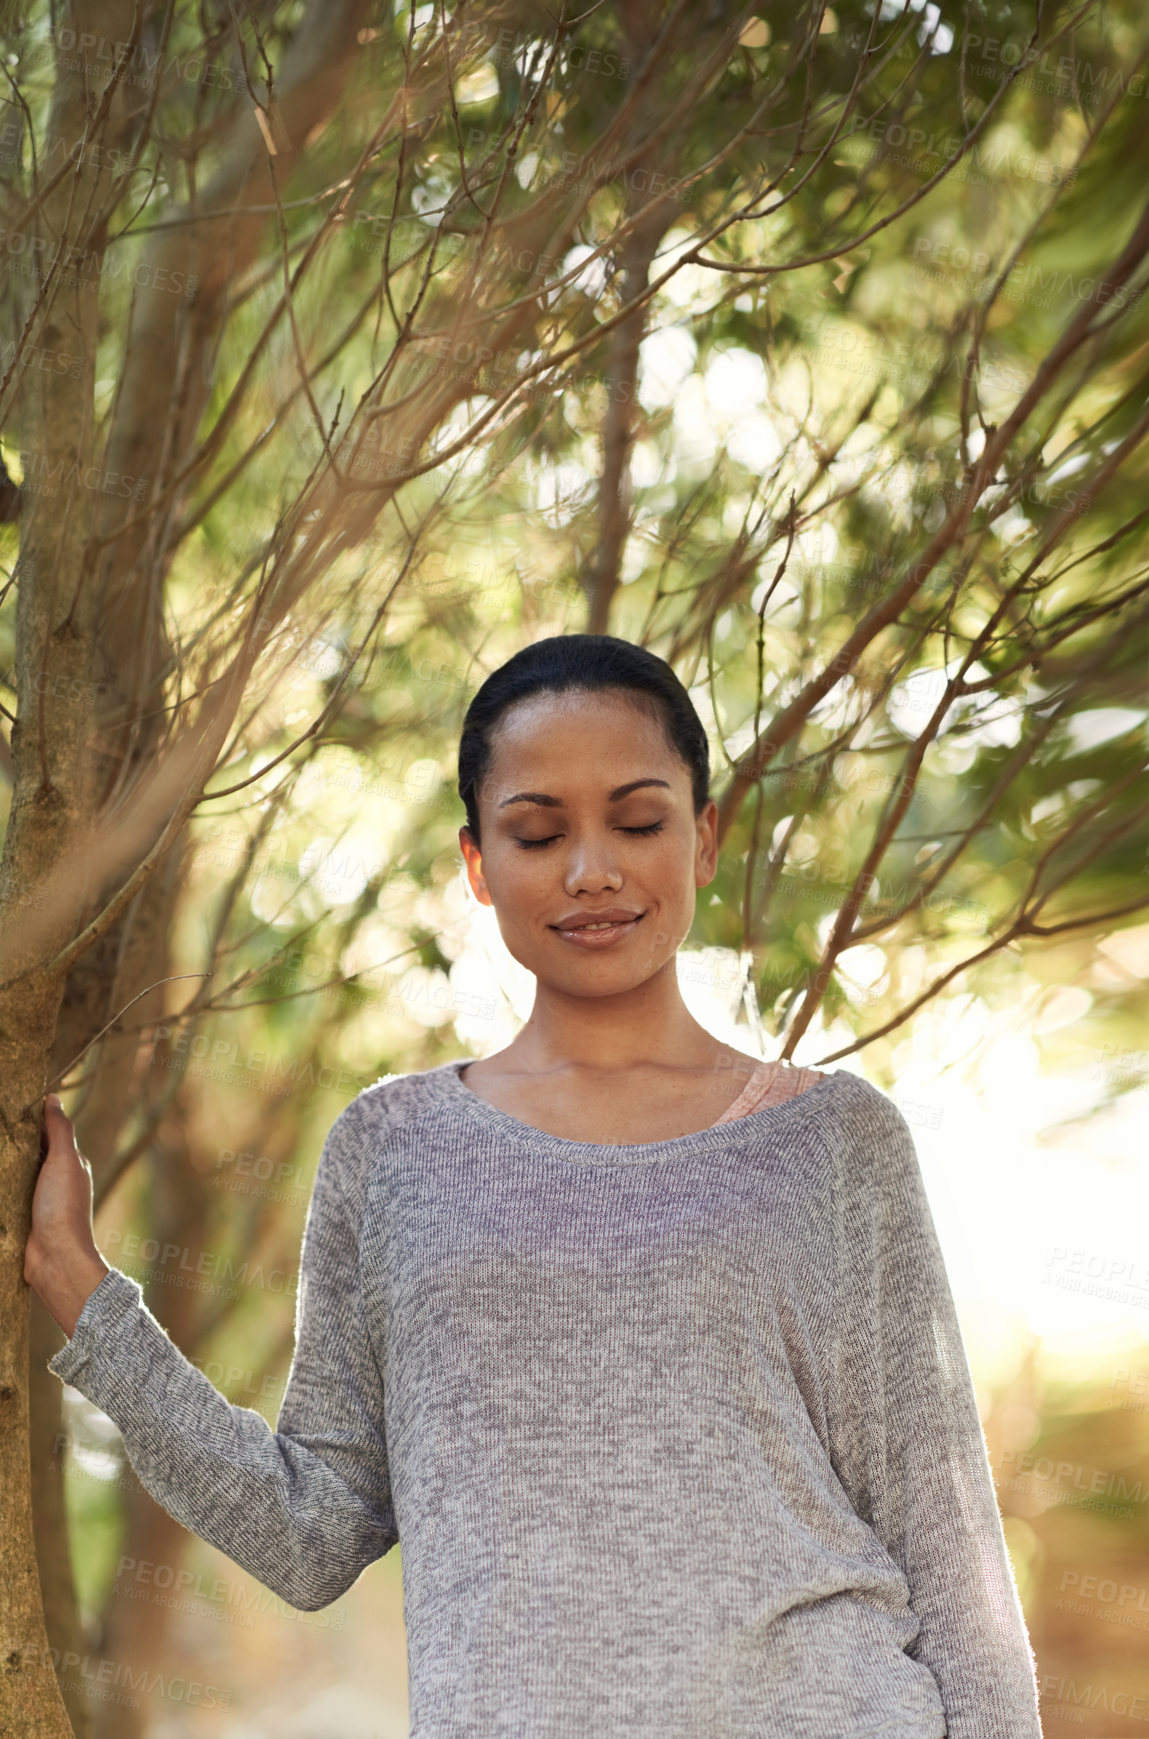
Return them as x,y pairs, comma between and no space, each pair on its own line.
906,1439
306,1507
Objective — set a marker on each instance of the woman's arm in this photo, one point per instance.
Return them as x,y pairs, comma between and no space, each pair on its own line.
907,1442
304,1508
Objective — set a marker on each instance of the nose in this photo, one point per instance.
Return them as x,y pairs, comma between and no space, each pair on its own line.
590,866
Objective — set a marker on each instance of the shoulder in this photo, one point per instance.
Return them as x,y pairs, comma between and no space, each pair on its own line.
866,1109
393,1100
376,1114
875,1158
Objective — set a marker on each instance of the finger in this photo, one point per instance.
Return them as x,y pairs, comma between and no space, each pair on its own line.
51,1104
57,1124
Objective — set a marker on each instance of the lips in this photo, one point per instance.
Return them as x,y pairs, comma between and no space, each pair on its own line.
585,920
592,932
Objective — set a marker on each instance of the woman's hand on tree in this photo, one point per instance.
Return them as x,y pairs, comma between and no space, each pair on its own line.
61,1262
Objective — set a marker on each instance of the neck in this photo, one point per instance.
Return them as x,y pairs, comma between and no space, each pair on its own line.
611,1034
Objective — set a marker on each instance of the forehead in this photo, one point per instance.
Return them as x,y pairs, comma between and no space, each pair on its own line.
584,737
544,724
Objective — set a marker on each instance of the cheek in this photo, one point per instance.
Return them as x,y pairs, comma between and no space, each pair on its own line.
519,874
675,864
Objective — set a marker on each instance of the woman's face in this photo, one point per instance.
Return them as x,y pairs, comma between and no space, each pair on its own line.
587,809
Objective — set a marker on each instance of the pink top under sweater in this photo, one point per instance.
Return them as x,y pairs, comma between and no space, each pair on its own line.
770,1084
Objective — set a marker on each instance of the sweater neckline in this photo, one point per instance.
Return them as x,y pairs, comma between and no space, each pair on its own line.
718,1137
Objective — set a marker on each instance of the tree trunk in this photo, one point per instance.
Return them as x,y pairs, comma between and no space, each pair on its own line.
50,1514
52,792
30,1703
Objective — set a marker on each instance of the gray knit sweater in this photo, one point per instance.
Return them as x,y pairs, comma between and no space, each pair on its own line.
679,1437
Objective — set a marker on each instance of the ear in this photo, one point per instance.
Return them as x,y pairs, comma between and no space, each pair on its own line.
474,862
706,855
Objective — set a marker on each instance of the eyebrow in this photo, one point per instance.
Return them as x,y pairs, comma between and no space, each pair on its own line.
616,795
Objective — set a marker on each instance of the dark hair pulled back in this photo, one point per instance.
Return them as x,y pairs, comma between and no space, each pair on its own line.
588,663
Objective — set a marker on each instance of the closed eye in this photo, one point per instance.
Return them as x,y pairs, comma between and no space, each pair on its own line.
533,844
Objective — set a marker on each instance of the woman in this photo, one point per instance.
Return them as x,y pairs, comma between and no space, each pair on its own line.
653,1367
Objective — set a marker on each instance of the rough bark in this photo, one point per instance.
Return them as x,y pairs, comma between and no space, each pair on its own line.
30,1703
53,791
49,1512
